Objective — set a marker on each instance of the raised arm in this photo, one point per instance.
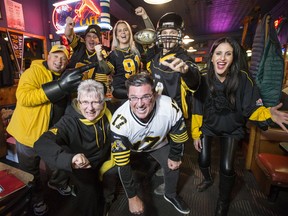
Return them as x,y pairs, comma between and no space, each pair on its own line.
140,11
69,29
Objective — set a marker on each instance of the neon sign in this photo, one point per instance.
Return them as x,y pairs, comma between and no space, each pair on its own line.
83,12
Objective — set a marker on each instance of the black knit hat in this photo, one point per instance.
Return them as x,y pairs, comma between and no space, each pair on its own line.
94,29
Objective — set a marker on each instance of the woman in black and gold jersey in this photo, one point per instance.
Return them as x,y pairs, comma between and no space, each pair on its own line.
124,59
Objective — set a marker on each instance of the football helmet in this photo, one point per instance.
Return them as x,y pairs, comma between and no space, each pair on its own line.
169,20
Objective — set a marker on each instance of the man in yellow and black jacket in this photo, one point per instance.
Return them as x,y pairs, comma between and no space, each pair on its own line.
42,96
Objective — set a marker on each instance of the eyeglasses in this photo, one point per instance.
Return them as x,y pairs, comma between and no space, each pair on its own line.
145,98
93,103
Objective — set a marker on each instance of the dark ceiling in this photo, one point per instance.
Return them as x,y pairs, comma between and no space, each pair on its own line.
203,18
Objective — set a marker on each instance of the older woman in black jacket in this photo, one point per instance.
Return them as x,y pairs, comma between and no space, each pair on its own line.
79,143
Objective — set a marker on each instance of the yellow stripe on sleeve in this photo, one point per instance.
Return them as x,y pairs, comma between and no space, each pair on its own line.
179,138
167,57
196,124
261,114
121,158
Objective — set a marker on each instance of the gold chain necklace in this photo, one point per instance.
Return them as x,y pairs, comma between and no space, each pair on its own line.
89,56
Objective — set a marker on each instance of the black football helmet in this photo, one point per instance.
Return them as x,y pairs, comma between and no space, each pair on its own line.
169,20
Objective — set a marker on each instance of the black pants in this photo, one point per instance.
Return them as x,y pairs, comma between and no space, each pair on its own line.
171,177
29,161
88,191
228,147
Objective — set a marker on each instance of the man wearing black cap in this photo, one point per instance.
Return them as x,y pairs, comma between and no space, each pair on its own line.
87,51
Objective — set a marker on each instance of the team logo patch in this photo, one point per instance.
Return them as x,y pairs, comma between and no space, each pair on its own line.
117,145
54,130
159,88
259,102
183,126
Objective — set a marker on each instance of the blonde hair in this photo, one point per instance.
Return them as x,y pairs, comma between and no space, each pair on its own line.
115,41
91,86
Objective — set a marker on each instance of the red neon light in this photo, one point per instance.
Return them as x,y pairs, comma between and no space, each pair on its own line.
79,11
277,22
86,3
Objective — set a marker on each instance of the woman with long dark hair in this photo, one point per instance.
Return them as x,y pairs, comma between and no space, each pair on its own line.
226,99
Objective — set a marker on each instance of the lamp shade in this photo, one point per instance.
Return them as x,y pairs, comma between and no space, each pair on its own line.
191,49
157,1
187,39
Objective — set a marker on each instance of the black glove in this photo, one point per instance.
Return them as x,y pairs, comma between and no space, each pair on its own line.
70,80
67,83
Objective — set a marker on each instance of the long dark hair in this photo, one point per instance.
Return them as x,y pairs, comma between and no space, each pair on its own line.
232,77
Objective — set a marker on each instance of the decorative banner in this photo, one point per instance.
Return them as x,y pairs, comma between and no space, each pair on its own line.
105,15
84,13
106,38
17,43
14,15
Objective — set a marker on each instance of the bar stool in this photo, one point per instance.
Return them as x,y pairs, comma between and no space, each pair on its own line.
275,169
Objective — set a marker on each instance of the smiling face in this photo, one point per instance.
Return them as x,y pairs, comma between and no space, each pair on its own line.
142,100
90,106
222,59
91,40
123,35
57,61
169,39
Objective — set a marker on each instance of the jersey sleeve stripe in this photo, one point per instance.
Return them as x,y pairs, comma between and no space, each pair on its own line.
179,138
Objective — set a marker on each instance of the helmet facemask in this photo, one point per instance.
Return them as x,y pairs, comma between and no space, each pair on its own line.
166,27
169,41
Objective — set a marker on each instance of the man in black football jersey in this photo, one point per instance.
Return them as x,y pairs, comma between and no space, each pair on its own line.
175,73
87,51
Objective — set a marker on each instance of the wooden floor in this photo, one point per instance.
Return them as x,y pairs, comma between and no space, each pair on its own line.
248,200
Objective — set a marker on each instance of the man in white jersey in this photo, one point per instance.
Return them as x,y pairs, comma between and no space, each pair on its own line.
151,123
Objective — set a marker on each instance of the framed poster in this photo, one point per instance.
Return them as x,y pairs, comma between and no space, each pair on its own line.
14,14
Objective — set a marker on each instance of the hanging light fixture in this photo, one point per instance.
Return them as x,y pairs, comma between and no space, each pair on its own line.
157,1
191,49
249,52
187,39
